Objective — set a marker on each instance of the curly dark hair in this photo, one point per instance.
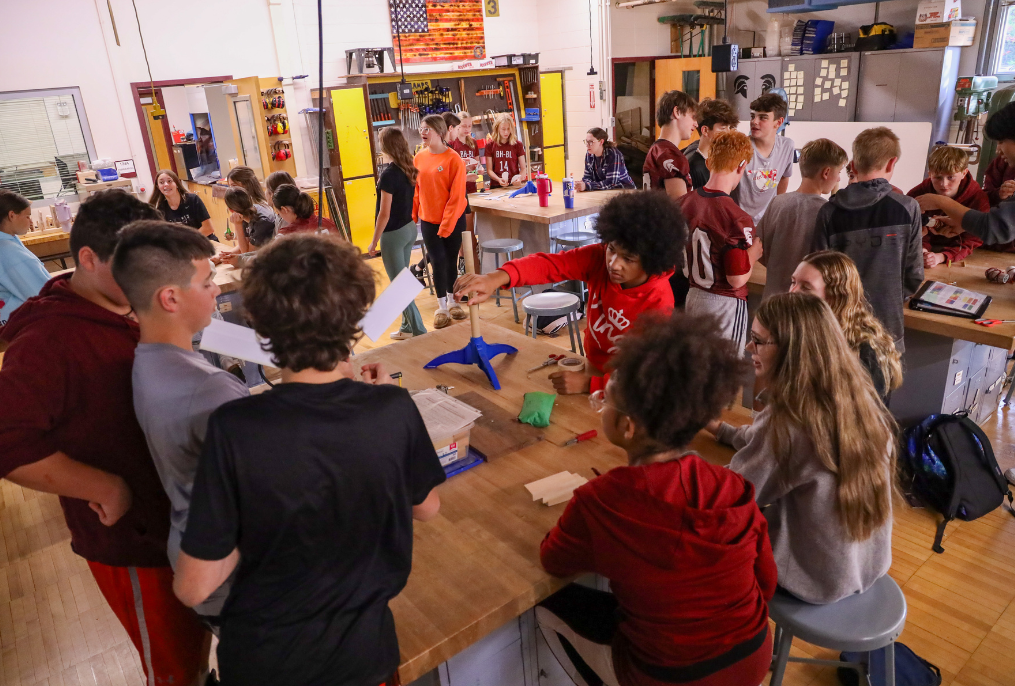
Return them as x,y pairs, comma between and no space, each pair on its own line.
673,375
648,224
306,294
1001,125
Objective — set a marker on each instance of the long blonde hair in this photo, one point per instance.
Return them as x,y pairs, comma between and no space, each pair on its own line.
394,145
497,121
818,386
469,140
844,294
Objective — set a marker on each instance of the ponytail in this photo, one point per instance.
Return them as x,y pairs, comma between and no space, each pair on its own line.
288,195
601,135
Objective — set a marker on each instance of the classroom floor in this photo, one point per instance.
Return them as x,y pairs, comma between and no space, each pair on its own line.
55,627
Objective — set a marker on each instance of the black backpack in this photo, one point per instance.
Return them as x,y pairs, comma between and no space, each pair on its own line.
910,669
949,466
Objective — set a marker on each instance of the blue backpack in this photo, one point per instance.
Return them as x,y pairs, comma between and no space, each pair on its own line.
910,669
948,465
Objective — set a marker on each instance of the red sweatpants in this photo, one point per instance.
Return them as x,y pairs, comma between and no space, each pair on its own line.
169,637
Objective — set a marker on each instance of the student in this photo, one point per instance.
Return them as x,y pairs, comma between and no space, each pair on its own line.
665,164
257,220
604,164
68,427
297,209
768,173
245,178
721,250
465,145
682,541
878,228
999,177
178,206
167,276
505,155
309,489
395,230
950,177
833,277
439,207
22,275
455,125
713,116
787,229
642,235
271,184
821,455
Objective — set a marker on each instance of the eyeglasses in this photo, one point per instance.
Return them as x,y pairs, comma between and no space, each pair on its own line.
424,129
597,401
589,144
758,342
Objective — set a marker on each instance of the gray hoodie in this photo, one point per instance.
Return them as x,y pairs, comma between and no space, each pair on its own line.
881,230
994,227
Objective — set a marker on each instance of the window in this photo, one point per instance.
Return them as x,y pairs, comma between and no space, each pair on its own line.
1004,45
43,135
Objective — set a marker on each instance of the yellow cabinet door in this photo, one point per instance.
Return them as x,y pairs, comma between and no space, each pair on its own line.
352,132
551,92
553,158
361,197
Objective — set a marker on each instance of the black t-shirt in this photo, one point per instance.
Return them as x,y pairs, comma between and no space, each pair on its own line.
394,181
191,211
699,168
869,359
315,484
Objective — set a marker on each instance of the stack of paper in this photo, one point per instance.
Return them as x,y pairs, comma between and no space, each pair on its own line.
443,415
556,489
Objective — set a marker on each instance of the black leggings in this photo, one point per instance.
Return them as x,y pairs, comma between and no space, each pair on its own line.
443,254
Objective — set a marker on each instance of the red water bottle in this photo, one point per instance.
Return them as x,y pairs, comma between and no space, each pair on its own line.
544,187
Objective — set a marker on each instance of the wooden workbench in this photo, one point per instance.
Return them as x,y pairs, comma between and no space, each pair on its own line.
476,566
498,216
48,247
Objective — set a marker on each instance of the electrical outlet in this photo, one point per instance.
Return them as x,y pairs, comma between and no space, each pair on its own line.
225,306
329,139
958,378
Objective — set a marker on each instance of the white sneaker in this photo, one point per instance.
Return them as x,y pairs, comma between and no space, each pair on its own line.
401,335
1010,475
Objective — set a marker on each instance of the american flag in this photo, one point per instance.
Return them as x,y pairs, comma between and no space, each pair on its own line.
410,16
438,30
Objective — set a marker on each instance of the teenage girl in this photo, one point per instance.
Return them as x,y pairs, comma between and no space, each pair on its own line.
21,273
244,177
439,207
456,126
394,229
179,206
505,155
271,184
604,164
821,455
833,277
297,209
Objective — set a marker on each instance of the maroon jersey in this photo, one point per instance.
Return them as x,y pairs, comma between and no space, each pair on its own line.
466,153
665,161
505,159
719,233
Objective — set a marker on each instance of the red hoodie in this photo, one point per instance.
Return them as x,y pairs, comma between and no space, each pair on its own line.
611,310
687,554
65,385
958,247
997,172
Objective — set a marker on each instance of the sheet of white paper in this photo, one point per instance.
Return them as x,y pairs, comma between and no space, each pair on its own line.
388,307
844,63
842,102
792,67
235,341
835,90
817,81
824,63
443,415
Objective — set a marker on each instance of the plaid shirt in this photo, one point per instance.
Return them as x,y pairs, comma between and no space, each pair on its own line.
606,172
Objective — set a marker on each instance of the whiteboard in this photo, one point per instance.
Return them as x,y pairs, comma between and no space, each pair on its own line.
914,138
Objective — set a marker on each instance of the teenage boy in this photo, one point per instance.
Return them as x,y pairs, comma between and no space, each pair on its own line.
787,229
768,172
721,249
68,427
166,274
665,164
950,177
881,230
713,116
309,489
642,235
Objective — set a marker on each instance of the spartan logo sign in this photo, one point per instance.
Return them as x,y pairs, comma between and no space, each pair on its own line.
740,85
767,83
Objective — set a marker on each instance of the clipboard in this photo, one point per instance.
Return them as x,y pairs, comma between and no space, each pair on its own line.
942,298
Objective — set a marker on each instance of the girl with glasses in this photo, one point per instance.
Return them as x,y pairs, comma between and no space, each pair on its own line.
604,164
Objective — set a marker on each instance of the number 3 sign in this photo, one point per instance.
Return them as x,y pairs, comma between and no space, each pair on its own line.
492,8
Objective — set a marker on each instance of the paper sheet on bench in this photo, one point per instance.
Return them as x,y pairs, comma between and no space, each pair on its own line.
388,307
443,415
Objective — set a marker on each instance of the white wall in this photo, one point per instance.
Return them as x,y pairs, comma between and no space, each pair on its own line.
636,33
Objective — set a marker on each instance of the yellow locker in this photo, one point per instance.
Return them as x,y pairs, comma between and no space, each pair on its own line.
554,160
352,132
551,87
361,197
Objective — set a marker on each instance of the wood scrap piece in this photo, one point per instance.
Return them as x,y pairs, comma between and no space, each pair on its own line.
550,484
497,432
564,492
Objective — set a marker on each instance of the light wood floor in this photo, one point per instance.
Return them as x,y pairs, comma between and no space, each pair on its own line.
55,627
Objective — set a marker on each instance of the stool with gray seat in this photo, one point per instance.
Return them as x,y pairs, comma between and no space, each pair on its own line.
554,305
508,247
569,241
860,623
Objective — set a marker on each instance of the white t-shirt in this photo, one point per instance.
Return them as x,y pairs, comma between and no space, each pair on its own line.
762,176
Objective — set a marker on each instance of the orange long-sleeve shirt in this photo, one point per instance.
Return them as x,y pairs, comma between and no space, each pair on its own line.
440,189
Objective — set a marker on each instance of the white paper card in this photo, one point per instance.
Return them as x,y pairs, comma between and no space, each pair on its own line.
388,307
235,341
831,71
835,90
824,63
792,67
844,64
842,102
443,415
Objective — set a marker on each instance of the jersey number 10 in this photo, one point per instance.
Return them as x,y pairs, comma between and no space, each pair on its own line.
699,267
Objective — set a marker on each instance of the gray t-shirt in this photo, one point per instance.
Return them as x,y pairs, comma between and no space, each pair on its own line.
786,232
761,178
175,391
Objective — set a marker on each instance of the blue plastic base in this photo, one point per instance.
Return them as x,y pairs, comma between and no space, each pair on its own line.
528,188
477,352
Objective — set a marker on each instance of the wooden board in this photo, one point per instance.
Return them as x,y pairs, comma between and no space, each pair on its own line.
498,432
526,207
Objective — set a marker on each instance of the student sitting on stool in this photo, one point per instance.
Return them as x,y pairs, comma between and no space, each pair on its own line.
682,541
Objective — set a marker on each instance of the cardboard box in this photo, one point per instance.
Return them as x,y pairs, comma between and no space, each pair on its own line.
938,11
453,448
950,34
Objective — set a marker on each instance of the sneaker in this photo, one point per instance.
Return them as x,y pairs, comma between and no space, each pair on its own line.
401,335
457,312
441,319
461,266
1010,475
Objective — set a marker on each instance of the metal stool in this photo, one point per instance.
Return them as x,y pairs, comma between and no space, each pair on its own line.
860,623
569,241
554,305
504,246
427,276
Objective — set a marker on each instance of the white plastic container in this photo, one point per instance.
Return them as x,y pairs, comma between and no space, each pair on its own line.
772,42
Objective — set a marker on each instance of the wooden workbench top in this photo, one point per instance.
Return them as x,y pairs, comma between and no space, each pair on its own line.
971,276
38,237
526,207
476,566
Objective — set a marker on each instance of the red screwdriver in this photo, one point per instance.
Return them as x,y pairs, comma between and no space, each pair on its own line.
581,437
